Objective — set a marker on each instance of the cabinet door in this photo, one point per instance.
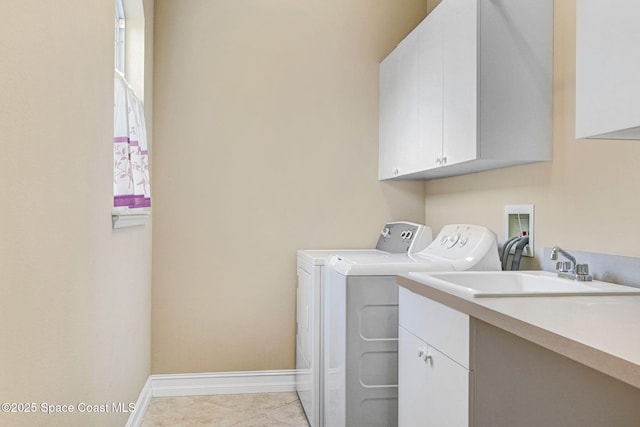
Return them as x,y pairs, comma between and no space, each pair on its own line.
399,110
607,63
412,380
407,109
388,99
430,90
448,391
433,390
460,80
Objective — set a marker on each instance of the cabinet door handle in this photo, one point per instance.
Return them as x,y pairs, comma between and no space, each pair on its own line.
423,354
438,160
444,160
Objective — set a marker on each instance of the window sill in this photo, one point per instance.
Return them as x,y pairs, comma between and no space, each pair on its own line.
127,218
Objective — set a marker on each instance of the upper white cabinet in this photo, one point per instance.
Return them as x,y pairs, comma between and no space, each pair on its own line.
607,69
476,93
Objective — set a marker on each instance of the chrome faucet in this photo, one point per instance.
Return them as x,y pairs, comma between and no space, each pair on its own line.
570,269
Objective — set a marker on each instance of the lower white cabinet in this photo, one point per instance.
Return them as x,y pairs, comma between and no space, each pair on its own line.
433,390
433,364
454,370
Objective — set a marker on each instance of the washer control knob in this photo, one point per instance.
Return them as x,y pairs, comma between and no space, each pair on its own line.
385,232
409,234
453,240
463,241
444,239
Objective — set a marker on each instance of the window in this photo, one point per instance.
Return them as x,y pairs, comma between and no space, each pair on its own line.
119,36
131,187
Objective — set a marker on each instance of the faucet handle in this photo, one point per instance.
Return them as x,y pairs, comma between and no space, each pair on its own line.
564,266
582,269
582,273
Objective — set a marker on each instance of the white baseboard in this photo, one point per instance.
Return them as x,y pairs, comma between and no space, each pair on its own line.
208,383
223,383
135,419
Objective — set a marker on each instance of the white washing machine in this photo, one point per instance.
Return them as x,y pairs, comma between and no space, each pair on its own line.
360,322
396,237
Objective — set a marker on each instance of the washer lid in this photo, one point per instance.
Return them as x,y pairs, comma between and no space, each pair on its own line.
385,264
321,256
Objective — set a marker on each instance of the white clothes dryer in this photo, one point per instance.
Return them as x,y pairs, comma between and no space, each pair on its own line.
360,326
396,237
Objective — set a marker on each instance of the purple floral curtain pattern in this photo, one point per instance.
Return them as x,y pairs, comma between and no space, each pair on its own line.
131,187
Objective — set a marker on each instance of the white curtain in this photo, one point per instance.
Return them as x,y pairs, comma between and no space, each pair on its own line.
131,187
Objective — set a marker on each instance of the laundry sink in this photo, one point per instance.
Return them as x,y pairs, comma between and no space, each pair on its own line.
492,284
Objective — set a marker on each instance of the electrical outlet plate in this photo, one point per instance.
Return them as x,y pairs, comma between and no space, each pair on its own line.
519,219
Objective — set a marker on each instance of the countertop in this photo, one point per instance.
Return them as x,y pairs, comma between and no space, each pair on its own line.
601,332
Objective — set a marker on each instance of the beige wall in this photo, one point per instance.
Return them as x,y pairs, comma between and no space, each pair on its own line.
74,294
586,199
266,141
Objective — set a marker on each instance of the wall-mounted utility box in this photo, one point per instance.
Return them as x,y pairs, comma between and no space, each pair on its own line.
518,221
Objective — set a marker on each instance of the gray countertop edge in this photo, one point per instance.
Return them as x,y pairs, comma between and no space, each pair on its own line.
620,369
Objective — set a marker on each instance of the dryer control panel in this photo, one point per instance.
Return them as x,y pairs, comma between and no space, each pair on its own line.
404,237
462,244
458,236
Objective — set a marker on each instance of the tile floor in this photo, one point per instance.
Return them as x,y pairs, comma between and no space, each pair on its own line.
226,410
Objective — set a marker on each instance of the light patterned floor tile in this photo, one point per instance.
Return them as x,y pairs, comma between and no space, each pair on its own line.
231,410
